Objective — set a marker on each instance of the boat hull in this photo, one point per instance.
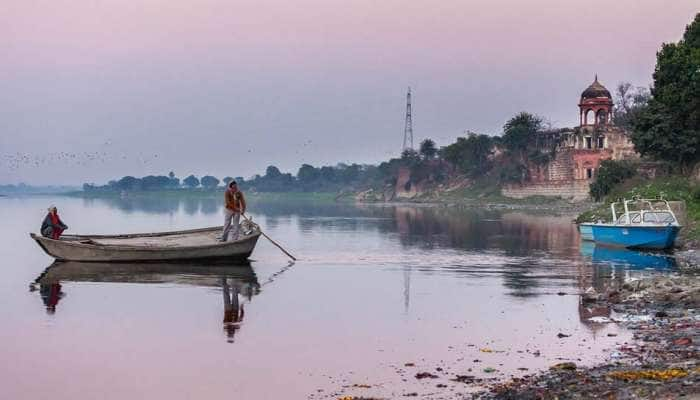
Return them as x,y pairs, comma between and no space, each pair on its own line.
106,248
634,237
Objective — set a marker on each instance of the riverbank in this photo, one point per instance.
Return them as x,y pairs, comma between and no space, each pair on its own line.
662,361
206,194
460,198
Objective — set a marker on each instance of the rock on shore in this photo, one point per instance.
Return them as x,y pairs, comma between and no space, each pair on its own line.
688,260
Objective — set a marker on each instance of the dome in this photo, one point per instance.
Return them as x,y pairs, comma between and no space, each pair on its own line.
596,90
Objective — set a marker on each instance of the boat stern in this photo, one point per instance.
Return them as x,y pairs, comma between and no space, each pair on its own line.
586,231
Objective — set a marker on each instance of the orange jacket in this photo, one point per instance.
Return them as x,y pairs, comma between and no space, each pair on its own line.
235,201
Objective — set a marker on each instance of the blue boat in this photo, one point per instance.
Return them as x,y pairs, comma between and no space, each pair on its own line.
644,224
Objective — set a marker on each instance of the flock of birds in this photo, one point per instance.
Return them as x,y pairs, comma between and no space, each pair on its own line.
17,161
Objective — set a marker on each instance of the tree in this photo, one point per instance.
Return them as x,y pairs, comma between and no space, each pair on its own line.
328,174
128,183
410,157
191,181
272,172
173,182
307,173
152,182
668,128
209,182
518,133
629,101
427,149
609,175
471,155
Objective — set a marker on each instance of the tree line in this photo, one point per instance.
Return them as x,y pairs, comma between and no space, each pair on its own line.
156,182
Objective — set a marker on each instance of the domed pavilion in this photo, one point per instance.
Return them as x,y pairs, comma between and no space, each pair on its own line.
596,105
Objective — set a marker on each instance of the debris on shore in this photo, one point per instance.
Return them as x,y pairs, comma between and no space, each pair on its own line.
688,260
661,362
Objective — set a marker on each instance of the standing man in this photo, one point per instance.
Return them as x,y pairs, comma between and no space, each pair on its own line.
234,206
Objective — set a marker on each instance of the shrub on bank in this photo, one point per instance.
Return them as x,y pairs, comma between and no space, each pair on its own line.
610,174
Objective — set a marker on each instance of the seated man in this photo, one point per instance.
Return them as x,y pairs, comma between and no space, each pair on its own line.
52,227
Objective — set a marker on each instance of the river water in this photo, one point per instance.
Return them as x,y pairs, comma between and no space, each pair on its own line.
452,291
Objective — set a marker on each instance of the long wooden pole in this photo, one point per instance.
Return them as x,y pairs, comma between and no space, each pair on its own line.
271,241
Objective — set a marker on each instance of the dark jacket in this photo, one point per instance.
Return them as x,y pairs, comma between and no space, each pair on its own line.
47,226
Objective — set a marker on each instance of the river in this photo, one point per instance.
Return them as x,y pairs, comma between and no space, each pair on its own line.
444,290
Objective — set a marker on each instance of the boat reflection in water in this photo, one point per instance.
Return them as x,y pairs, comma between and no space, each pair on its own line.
236,281
630,259
611,267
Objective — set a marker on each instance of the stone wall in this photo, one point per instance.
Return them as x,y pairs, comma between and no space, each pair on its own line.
576,190
621,145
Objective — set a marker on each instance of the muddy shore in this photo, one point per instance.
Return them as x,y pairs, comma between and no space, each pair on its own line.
660,363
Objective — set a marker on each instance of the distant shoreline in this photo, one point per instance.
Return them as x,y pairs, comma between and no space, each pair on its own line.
535,204
205,194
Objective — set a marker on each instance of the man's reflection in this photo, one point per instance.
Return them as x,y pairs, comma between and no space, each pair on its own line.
233,310
50,293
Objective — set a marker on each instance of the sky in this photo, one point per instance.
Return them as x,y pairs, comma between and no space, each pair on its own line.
93,90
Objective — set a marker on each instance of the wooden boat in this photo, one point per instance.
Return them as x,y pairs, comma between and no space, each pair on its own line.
194,244
643,224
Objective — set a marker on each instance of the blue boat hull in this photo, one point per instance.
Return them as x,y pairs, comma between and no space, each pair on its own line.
635,237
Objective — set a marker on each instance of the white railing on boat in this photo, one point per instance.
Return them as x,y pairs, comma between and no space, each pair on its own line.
656,207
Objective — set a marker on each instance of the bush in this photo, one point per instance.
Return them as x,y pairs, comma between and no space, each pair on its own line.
610,174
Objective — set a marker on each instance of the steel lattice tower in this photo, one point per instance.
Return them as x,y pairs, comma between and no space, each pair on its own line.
408,128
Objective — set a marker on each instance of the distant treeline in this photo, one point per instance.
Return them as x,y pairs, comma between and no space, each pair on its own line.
307,179
473,156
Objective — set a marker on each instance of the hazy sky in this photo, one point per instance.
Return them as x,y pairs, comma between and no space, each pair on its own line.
229,87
